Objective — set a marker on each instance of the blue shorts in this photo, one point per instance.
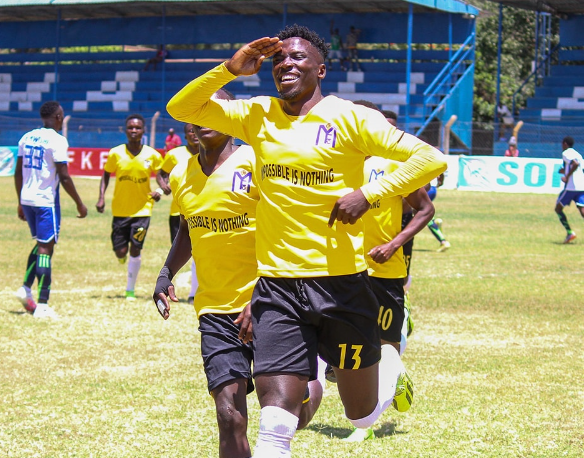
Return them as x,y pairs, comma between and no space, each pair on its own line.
44,222
566,197
432,192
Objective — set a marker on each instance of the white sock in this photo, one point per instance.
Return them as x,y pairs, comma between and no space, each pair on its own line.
390,368
404,333
194,280
133,269
320,372
277,427
369,420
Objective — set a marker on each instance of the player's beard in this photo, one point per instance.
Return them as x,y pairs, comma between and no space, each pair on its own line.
289,95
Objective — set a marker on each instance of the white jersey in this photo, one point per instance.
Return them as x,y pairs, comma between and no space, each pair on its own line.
40,150
576,180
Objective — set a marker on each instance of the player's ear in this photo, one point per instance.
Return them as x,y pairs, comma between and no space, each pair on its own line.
321,71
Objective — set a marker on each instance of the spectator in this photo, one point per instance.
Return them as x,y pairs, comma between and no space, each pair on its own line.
172,141
336,50
161,54
351,44
512,150
505,118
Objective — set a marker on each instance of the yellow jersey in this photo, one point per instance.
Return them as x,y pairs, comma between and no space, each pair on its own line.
304,164
220,211
383,222
173,157
132,191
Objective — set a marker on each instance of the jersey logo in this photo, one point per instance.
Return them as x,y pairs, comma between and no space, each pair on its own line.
375,175
241,182
147,163
326,135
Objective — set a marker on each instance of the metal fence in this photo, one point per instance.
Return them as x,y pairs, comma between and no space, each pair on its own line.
535,139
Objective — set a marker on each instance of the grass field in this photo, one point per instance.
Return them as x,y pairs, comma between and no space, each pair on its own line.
496,354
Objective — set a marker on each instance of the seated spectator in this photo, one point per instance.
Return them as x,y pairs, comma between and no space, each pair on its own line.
161,54
512,150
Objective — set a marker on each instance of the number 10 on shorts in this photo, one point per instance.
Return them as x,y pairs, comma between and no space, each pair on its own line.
356,352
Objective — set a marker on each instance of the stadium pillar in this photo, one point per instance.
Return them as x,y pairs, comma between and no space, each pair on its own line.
409,64
498,97
449,37
163,101
57,54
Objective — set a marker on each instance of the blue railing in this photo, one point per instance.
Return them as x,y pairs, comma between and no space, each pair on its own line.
437,92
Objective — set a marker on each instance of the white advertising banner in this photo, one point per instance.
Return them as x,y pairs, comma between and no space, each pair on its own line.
505,174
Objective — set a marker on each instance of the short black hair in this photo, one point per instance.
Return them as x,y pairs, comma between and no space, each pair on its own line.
390,114
135,116
305,33
568,141
48,109
368,104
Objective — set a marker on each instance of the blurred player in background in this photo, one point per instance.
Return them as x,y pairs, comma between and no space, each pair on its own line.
133,163
41,168
573,177
435,225
171,159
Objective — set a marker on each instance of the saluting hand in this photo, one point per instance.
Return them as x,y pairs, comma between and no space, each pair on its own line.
248,59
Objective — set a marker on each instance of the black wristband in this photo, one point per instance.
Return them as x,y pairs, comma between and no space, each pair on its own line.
165,272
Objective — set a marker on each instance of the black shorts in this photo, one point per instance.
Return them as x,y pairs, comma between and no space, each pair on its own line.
294,319
225,356
408,247
390,295
129,230
174,225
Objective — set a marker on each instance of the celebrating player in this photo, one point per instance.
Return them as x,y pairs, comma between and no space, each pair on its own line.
313,295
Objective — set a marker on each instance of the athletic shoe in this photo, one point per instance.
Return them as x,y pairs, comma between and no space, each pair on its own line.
404,393
570,237
25,297
329,374
360,435
444,245
408,307
191,300
123,260
130,296
438,222
44,311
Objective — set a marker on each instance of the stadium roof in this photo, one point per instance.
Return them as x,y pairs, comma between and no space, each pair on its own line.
39,10
559,7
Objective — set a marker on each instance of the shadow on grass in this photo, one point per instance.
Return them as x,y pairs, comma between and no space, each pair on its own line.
384,430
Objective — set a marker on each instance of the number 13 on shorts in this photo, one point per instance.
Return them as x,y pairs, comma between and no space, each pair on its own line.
356,349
